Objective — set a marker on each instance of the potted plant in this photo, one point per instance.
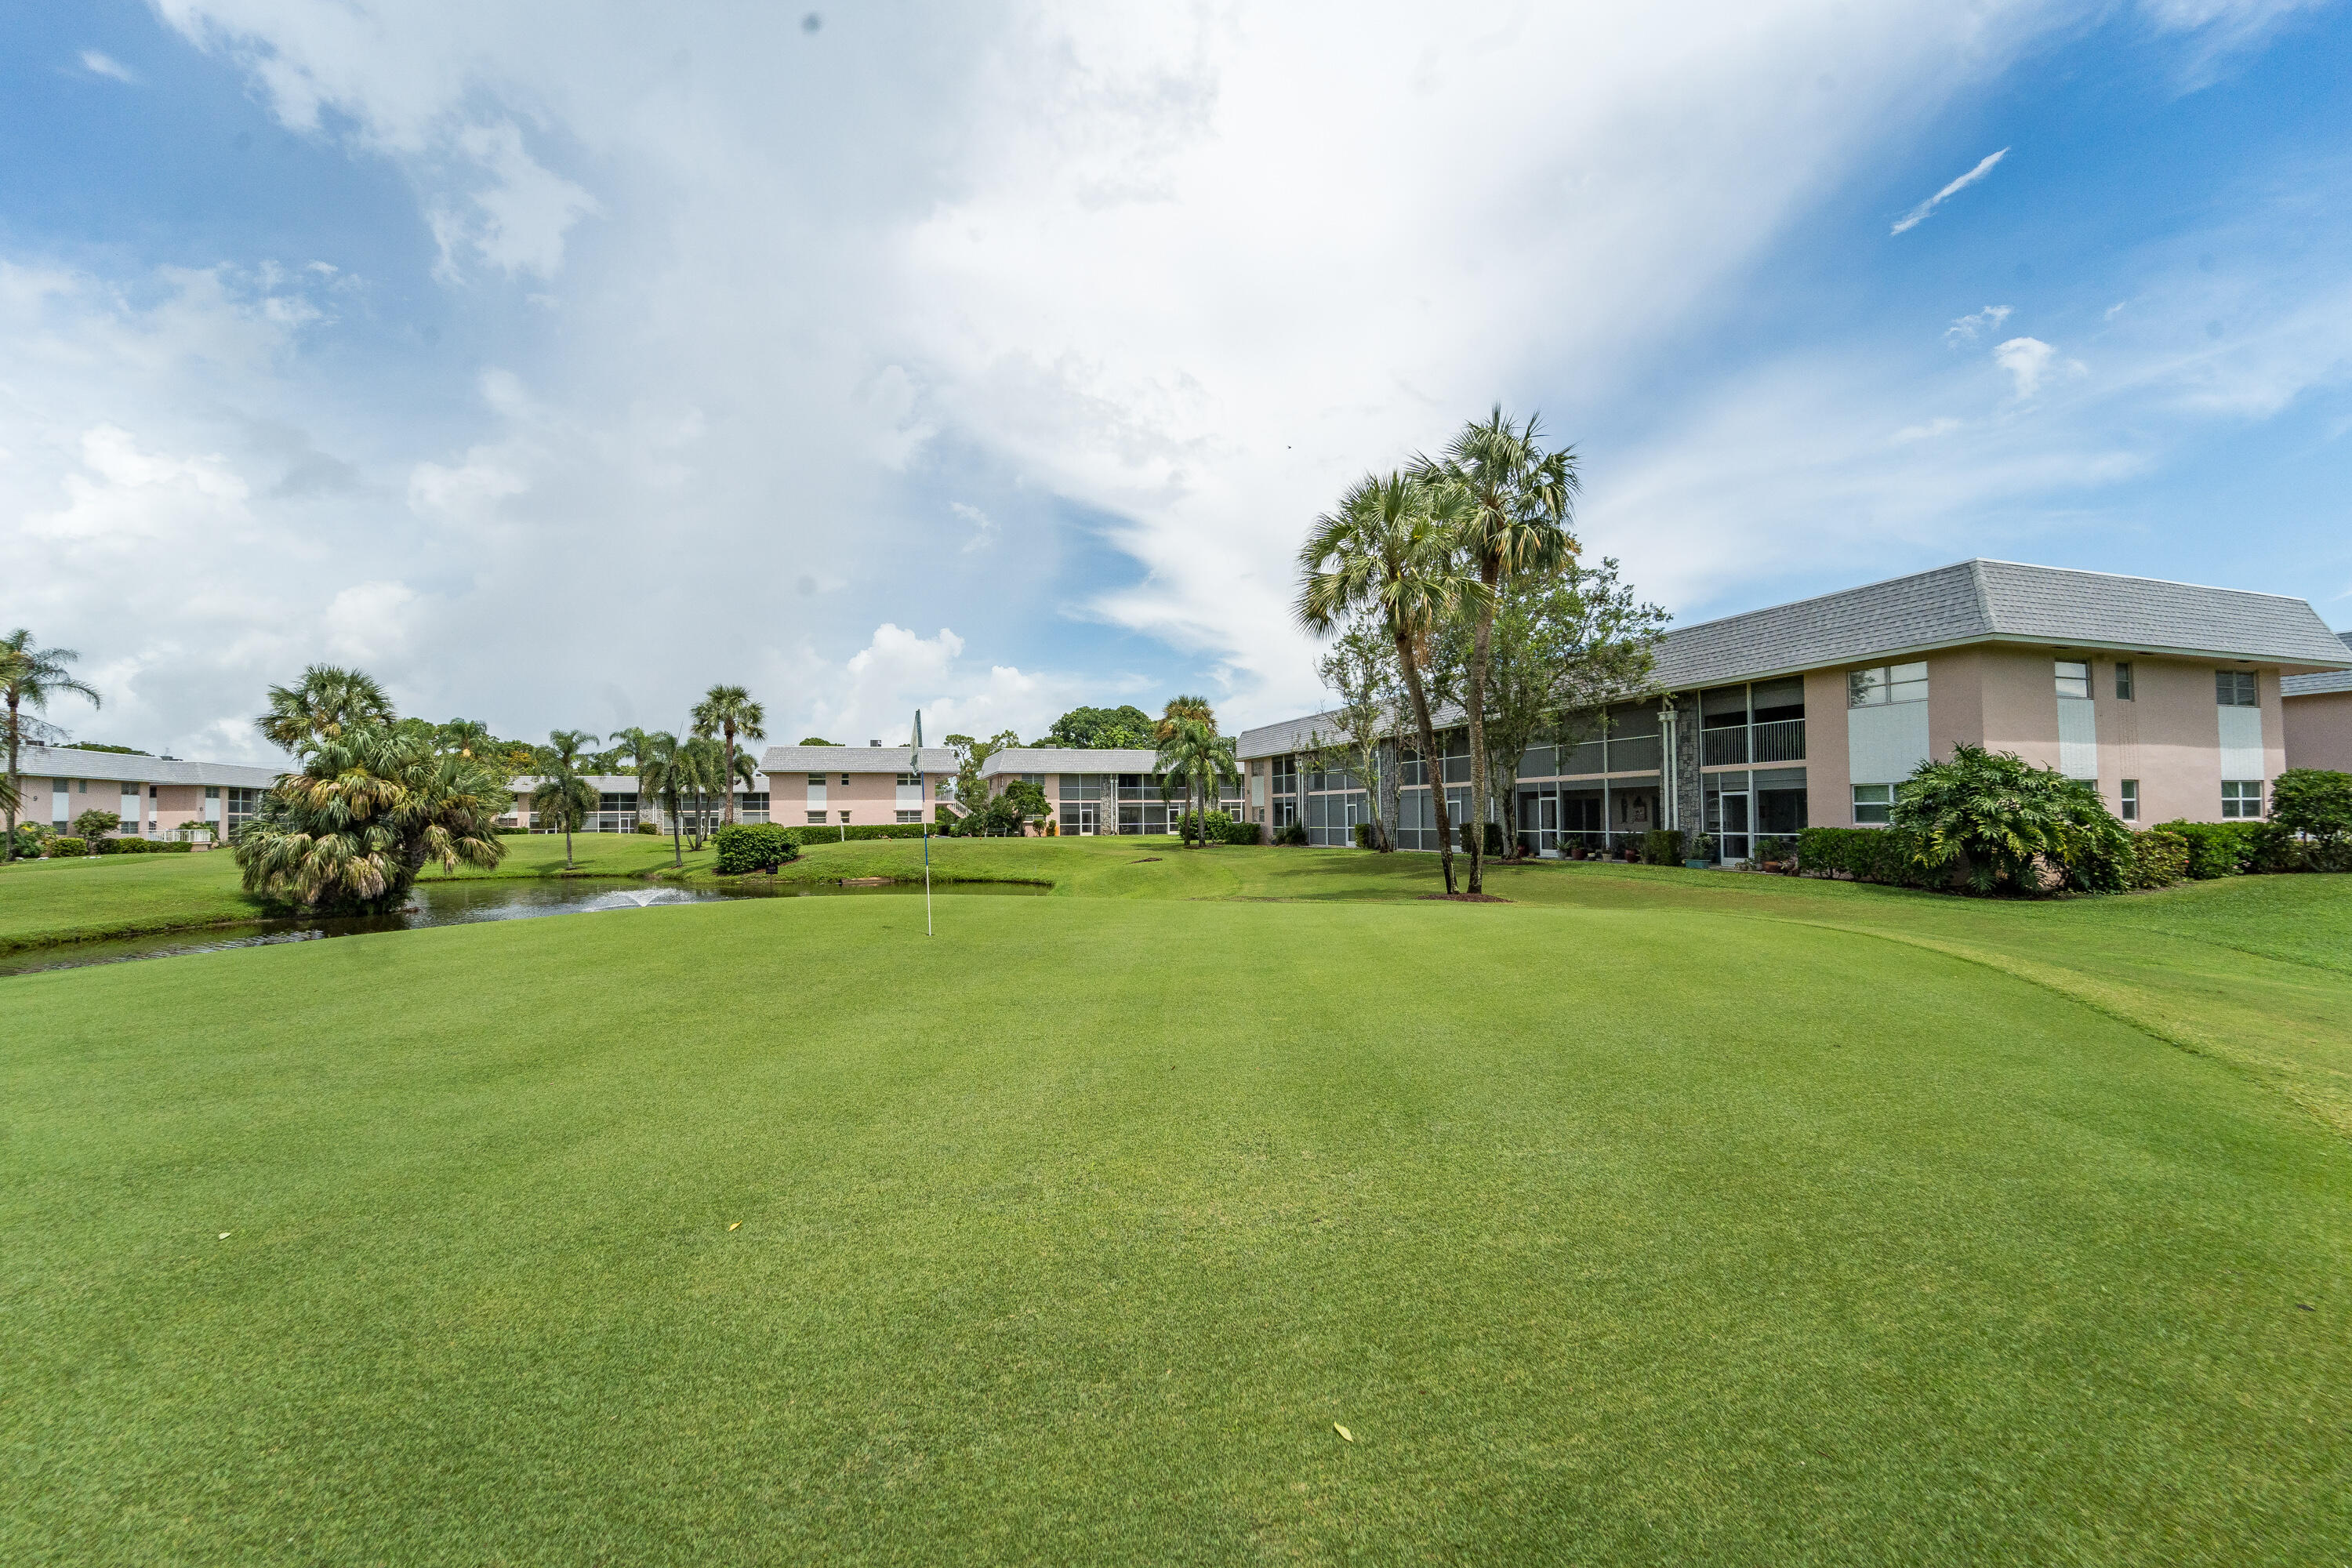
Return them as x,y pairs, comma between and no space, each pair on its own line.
1698,853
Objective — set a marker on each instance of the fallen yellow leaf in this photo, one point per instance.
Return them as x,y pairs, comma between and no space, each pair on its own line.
1343,1432
736,1223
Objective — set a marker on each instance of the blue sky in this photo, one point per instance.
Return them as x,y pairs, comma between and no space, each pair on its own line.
554,361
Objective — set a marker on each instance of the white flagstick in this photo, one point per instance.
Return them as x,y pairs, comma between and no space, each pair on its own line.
925,820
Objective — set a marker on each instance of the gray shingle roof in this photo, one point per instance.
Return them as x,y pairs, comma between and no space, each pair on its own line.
1981,600
65,763
1297,734
2313,685
851,760
1068,760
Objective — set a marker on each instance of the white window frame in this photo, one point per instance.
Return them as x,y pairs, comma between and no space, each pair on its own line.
2127,801
2073,678
1884,806
2239,793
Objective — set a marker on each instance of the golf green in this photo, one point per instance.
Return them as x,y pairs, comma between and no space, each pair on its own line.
1673,1225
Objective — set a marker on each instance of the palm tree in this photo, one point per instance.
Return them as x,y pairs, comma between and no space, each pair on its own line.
30,676
320,706
562,792
1517,499
351,831
1191,749
466,737
728,710
1389,548
670,770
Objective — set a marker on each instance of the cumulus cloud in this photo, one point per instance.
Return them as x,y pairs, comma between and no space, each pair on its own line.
1919,214
1170,277
2031,364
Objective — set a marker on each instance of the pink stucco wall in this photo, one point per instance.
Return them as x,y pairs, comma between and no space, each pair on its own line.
2318,731
868,798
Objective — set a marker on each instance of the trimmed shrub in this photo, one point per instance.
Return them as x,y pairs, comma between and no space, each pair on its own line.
67,848
2215,848
746,846
2314,803
1662,847
93,825
1883,855
853,832
1294,834
2159,858
650,829
142,847
1244,833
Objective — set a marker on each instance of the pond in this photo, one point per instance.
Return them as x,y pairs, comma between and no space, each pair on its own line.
468,903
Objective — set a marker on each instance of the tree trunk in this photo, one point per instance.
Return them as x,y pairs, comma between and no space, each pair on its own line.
567,841
678,854
1482,643
727,815
1430,758
13,785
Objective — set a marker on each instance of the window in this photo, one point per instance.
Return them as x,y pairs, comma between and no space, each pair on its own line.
2122,680
2073,678
844,816
910,816
1871,802
1887,683
818,780
2236,689
910,781
2242,798
844,783
2129,801
816,820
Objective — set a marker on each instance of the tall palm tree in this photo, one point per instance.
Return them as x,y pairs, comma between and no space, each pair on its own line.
708,763
467,737
562,792
1515,499
1194,752
322,706
670,770
728,711
30,676
1389,548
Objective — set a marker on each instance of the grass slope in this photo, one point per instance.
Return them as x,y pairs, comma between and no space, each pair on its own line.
1740,1226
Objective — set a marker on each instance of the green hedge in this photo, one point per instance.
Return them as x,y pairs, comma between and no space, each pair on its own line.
142,847
1662,847
854,832
745,847
1881,855
2159,858
67,848
2216,848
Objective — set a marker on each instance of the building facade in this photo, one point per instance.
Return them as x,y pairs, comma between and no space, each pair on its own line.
1100,791
151,797
2319,718
2166,696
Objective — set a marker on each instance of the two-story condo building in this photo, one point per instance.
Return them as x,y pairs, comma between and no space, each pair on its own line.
1104,791
151,797
2165,695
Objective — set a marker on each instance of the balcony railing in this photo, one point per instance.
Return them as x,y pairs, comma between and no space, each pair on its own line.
1781,741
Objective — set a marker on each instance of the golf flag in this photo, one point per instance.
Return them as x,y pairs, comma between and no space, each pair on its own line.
915,751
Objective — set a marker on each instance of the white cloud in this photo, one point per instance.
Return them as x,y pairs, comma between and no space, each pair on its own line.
984,530
1172,277
2031,362
2026,360
1919,214
1965,328
370,622
107,66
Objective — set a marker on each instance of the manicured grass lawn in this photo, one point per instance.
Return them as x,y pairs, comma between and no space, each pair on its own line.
1654,1217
